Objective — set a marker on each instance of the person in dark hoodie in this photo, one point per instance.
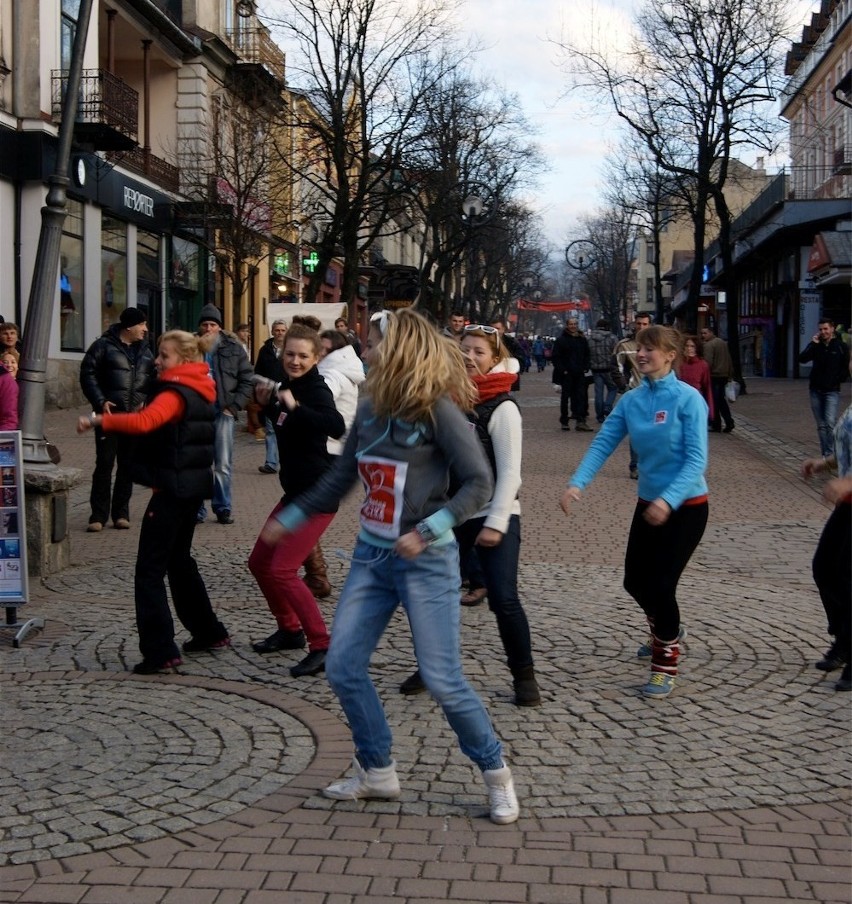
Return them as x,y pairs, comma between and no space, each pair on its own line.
115,375
305,416
174,457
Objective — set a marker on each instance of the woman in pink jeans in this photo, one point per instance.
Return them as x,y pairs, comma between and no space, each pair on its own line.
303,413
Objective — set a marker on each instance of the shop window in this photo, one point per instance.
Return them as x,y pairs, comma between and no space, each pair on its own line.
148,292
113,270
71,279
184,285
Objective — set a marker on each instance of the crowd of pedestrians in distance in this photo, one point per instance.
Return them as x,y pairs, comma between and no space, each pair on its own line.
427,421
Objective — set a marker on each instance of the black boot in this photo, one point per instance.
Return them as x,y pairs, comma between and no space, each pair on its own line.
412,685
280,640
526,687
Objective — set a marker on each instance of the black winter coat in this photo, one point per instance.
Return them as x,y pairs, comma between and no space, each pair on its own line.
114,372
830,364
302,434
571,355
268,365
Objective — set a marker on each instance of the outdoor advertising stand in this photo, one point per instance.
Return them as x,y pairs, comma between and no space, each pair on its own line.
13,536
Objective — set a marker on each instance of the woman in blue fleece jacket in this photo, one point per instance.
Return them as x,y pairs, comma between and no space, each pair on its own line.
408,438
666,421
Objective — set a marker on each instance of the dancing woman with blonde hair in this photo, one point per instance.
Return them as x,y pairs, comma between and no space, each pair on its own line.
408,438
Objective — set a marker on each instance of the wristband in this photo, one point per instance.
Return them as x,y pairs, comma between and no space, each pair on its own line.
427,535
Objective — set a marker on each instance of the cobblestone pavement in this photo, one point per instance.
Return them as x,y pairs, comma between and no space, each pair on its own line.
203,787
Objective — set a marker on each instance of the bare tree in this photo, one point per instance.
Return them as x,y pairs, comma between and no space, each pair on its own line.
472,142
360,69
696,84
610,235
238,200
650,198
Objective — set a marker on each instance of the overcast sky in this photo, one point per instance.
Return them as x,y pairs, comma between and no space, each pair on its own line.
521,59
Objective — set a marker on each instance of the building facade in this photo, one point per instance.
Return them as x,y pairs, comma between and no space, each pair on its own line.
150,191
792,254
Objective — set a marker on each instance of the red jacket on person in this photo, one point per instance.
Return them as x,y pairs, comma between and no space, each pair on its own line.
696,372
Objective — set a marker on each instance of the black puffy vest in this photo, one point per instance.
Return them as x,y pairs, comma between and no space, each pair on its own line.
178,458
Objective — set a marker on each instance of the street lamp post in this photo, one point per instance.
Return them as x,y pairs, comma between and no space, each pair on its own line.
477,210
39,319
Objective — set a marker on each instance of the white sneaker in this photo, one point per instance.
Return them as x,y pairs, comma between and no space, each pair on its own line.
501,795
379,784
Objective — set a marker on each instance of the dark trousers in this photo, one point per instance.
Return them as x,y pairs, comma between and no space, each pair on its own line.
165,549
106,500
832,570
655,560
576,390
500,571
721,409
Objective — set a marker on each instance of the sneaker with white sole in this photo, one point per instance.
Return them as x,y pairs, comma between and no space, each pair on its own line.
644,652
501,796
374,784
659,685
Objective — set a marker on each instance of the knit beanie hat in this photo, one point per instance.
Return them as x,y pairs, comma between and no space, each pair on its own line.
210,312
132,317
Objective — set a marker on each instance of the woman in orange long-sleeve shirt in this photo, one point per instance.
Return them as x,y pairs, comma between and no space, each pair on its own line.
174,457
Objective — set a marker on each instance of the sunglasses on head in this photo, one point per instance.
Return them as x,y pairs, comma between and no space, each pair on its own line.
481,328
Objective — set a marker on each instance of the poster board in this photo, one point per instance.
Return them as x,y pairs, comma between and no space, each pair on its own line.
13,529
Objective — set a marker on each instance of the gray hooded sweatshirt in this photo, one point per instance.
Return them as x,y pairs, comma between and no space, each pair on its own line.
405,469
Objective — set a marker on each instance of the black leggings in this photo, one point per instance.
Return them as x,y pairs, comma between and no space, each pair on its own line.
655,560
832,569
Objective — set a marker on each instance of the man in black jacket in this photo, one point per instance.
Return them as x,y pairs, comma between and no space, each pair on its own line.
571,360
115,375
830,359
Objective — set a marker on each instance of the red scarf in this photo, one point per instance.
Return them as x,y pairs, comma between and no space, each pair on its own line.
493,384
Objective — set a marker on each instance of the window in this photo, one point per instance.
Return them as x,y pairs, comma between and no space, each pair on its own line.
71,279
148,291
113,270
70,10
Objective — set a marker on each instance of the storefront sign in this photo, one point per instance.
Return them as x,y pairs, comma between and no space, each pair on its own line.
138,202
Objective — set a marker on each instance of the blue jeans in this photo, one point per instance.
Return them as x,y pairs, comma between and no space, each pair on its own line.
271,445
428,588
603,380
223,454
824,406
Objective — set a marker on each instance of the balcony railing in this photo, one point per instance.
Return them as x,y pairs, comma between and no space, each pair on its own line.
255,45
107,110
138,160
842,161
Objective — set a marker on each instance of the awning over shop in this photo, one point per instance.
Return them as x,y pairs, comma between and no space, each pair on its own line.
830,260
